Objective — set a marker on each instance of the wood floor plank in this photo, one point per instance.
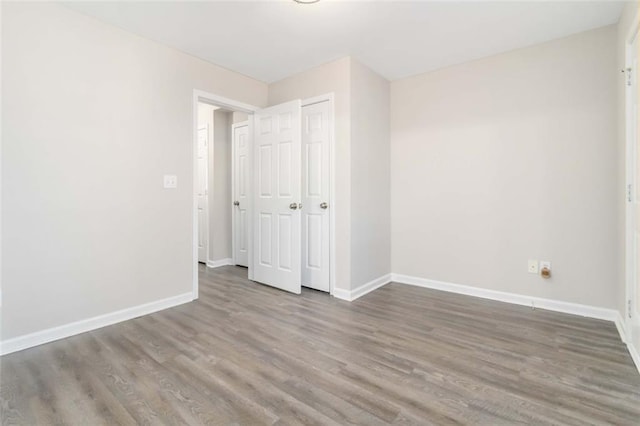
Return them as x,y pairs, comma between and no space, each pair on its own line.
247,354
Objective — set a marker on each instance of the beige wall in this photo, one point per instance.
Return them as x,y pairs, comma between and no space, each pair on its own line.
370,176
629,15
239,117
92,118
332,77
508,158
220,218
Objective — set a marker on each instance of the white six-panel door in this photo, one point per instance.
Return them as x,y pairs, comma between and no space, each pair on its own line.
203,203
277,197
241,193
315,196
633,293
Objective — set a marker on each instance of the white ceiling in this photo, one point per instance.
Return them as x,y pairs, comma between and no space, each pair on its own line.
270,40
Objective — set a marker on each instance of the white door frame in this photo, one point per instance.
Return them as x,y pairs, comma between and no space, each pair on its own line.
630,314
219,101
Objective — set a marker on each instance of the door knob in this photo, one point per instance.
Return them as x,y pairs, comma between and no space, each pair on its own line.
324,205
293,206
236,203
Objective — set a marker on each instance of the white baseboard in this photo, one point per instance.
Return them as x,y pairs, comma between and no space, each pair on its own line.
351,295
219,263
622,331
340,293
49,335
518,299
634,355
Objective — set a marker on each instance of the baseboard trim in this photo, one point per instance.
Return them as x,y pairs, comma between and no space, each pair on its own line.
635,356
340,293
219,263
517,299
56,333
363,289
622,331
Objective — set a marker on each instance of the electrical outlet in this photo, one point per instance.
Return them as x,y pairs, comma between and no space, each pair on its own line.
170,181
532,267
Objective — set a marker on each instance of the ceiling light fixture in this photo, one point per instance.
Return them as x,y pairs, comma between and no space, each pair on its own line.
306,1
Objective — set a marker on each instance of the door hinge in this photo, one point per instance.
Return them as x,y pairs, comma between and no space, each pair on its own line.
629,307
629,192
628,73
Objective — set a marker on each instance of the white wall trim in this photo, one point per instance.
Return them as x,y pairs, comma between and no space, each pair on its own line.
341,293
626,338
517,299
219,263
620,325
56,333
635,356
363,289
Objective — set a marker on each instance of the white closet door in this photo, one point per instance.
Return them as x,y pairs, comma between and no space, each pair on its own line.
633,294
315,196
276,209
241,193
203,204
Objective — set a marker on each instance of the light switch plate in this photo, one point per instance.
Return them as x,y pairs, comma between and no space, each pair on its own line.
532,267
170,181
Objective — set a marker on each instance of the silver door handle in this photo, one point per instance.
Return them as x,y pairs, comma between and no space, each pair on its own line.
293,206
324,206
236,203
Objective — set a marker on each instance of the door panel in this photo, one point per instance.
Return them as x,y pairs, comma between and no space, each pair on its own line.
315,184
635,94
265,231
203,205
240,193
277,218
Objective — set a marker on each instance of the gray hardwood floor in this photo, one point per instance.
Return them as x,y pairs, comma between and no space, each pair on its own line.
248,354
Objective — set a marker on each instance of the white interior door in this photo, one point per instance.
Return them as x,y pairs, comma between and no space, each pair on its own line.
315,196
633,292
203,204
276,197
240,186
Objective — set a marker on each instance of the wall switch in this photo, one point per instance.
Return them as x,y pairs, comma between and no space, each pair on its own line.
532,267
170,181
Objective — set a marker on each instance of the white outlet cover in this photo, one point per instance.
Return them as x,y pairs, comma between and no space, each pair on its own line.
532,266
170,181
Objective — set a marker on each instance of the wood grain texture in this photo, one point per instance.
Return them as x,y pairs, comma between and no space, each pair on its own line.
247,354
